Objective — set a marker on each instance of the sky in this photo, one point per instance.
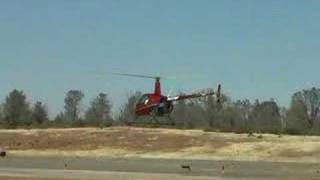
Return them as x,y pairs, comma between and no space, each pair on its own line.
255,49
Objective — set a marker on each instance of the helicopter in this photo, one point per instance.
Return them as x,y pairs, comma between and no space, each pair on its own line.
156,104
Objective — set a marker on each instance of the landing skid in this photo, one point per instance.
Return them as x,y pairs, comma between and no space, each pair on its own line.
153,121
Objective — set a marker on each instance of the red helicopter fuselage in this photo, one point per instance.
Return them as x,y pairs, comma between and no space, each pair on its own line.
153,103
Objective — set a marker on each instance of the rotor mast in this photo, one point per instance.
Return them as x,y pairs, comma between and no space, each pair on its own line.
157,88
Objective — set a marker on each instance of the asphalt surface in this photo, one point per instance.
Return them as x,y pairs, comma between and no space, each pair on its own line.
58,168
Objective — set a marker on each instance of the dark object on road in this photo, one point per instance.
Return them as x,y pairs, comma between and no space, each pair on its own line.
260,137
222,169
186,167
65,164
3,152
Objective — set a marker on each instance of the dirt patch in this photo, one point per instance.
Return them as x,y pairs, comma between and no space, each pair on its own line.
160,142
135,139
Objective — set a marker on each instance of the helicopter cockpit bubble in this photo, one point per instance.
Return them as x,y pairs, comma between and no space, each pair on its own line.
144,99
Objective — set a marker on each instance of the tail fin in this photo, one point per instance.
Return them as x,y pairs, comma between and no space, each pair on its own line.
218,93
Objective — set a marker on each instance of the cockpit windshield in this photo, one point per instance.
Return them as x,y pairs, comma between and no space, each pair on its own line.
144,99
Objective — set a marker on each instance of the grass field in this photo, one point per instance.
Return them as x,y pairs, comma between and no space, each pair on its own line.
160,143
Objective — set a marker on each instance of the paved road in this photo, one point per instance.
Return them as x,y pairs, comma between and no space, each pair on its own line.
58,168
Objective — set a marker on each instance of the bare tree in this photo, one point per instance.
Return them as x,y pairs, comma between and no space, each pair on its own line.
265,117
39,113
180,115
311,100
72,104
127,110
213,110
100,110
243,109
297,118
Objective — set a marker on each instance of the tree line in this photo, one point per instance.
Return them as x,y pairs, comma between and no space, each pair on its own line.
242,116
16,111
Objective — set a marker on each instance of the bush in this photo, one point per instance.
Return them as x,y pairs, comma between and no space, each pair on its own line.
78,123
293,131
260,137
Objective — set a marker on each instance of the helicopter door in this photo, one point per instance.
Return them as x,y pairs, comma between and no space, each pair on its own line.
144,100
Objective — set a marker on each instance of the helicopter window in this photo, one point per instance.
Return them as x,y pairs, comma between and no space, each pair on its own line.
144,99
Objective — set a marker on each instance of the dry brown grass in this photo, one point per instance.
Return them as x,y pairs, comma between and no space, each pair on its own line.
162,143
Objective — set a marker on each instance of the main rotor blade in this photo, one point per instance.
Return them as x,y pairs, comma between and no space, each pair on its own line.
136,75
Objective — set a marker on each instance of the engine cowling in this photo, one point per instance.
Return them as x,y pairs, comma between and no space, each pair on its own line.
163,108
